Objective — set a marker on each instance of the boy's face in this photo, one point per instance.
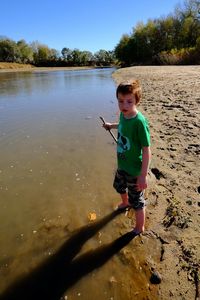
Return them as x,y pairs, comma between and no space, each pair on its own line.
127,104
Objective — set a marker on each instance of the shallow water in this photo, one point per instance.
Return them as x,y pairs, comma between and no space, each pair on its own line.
56,167
55,157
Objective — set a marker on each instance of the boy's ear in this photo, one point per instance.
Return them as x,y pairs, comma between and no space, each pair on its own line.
137,98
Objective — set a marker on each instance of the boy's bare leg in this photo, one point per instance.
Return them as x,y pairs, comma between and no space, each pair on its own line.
124,202
140,220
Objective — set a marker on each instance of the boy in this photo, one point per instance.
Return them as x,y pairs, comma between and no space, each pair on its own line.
133,151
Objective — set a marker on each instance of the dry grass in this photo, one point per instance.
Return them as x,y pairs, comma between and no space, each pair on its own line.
14,66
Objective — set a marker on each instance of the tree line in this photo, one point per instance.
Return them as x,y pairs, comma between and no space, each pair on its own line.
174,39
42,56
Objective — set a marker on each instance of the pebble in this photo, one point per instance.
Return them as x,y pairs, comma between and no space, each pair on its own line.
189,202
112,279
155,278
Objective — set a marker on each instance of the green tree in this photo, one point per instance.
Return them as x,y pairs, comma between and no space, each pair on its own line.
188,17
67,55
87,58
104,57
76,57
26,52
54,54
43,55
9,51
144,41
126,50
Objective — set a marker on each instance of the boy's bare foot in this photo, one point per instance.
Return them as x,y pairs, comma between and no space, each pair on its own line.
137,231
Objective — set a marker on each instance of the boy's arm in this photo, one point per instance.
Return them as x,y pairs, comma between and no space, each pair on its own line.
142,179
109,126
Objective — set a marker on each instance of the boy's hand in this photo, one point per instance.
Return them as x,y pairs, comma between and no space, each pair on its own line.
141,183
107,126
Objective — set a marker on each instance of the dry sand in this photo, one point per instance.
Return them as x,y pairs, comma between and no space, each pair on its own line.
171,99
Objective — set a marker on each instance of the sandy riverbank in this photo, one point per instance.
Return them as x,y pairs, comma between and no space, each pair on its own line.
171,101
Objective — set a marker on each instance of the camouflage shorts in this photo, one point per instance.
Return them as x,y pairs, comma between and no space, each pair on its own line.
124,183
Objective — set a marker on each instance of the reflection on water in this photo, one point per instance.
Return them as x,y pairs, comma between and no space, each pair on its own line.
56,167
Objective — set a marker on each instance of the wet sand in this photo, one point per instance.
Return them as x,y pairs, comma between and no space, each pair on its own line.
171,98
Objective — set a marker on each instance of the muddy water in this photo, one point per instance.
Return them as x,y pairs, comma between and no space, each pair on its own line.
56,167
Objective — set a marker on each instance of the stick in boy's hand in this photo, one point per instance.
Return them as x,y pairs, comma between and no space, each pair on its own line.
104,122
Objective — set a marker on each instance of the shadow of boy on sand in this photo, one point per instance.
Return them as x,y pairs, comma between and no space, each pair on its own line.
53,277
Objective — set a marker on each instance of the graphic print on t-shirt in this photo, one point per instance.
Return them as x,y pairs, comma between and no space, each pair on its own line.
123,143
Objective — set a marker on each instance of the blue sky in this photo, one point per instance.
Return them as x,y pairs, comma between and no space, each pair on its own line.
84,24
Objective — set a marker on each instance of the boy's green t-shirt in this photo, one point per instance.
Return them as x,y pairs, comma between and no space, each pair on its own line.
133,134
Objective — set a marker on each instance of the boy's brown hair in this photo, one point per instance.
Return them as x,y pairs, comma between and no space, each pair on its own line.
130,87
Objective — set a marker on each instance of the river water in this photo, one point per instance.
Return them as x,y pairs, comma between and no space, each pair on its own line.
56,172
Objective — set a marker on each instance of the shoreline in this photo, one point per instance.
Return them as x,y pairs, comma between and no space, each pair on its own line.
15,67
44,69
171,104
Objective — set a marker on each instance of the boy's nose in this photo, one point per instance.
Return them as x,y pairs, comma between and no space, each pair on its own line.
125,105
